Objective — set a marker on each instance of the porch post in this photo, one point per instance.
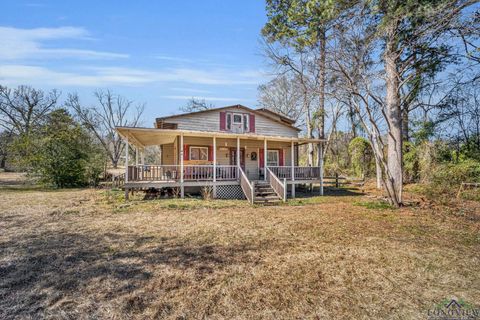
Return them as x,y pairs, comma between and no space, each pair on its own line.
292,162
126,159
238,157
214,167
265,159
320,156
142,156
136,156
182,188
126,167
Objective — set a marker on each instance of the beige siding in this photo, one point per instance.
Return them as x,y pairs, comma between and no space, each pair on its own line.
223,151
210,121
168,154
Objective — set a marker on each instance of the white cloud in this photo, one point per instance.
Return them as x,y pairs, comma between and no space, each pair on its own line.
29,44
14,74
171,58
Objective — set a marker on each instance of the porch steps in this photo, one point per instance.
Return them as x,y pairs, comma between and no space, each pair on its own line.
264,194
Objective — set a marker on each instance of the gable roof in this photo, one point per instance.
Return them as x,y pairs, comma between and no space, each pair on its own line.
263,112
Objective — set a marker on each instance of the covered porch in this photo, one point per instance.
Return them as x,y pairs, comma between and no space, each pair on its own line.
199,158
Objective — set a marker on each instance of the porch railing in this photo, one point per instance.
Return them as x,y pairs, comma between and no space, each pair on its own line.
301,173
247,186
278,186
173,172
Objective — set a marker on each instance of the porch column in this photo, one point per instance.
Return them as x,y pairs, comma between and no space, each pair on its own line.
292,162
182,188
238,157
136,156
126,167
214,167
142,156
265,153
126,159
320,156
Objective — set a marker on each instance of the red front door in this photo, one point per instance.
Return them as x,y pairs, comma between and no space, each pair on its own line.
233,157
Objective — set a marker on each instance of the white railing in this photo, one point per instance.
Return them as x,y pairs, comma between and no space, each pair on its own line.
190,173
277,185
247,187
300,173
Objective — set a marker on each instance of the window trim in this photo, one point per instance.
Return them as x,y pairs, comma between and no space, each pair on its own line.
196,147
278,158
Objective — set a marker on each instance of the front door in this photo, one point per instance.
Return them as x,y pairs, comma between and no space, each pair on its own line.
233,157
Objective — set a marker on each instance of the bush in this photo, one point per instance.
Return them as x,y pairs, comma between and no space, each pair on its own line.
447,177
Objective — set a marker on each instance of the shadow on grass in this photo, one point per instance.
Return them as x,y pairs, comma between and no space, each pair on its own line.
39,270
328,191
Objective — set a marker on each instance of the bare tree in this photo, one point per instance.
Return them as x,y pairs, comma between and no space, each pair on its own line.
300,64
24,108
283,95
195,104
111,111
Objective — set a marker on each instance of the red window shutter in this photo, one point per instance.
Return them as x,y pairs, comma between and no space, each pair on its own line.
186,154
252,122
261,157
223,121
280,157
210,153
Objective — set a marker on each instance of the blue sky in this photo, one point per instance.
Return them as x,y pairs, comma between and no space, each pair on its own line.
158,52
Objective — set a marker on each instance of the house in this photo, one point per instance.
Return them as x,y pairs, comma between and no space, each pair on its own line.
238,151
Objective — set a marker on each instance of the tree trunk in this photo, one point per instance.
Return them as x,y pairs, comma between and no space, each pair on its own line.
405,127
321,97
394,119
378,168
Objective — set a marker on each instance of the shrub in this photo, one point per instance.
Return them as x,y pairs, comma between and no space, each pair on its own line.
447,177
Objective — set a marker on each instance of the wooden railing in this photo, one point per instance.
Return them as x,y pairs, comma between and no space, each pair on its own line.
247,187
153,173
227,172
118,181
173,173
277,185
301,173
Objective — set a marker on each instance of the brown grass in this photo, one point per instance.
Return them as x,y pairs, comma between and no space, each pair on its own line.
87,254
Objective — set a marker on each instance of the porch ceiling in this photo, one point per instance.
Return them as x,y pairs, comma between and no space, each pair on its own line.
142,137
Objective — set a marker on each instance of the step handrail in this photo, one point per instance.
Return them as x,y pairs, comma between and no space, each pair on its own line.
247,187
277,185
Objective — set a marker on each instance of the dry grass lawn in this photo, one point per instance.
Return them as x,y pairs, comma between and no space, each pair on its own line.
85,254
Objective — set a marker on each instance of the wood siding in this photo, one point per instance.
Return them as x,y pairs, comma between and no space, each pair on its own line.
223,150
210,122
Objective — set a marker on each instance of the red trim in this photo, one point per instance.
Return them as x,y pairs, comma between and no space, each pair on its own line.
223,121
210,153
186,152
261,156
252,122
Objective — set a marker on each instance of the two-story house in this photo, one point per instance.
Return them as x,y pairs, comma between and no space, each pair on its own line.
238,151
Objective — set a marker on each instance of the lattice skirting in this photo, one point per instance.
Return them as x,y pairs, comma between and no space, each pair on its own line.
230,192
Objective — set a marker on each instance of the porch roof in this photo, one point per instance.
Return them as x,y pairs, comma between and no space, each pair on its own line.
142,137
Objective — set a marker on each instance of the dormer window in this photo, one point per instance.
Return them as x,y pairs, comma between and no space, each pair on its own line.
237,122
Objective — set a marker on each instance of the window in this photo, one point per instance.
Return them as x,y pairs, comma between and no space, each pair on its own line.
229,121
272,158
198,153
237,122
245,122
237,118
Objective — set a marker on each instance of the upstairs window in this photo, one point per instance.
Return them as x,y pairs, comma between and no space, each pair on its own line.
237,122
